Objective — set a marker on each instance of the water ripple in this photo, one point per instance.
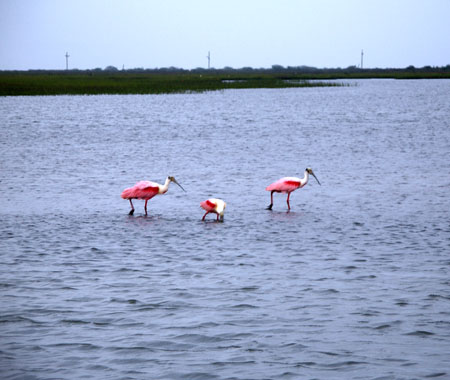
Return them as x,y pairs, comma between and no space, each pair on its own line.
352,283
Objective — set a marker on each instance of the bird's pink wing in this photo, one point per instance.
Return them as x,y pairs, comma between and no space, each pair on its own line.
142,190
208,205
284,185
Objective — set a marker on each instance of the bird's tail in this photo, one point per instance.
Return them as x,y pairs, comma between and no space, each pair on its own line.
207,205
126,194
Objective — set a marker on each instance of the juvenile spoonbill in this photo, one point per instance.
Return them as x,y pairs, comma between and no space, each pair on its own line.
214,205
147,190
288,185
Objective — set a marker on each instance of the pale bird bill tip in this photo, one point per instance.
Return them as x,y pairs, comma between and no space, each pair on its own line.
182,188
316,178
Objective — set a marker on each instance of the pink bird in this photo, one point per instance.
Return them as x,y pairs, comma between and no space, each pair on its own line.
288,185
146,190
214,205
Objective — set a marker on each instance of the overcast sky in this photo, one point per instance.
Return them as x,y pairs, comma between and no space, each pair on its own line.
36,34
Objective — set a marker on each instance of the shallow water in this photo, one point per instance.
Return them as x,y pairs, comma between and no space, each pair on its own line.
352,283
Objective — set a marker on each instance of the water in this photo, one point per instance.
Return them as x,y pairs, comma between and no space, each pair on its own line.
353,283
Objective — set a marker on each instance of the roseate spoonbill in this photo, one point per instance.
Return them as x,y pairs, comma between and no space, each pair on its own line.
147,190
214,205
288,185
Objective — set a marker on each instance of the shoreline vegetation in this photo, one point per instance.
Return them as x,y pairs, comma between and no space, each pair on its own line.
174,80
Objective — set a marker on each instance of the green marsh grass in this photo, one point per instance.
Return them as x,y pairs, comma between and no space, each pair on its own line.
166,81
132,83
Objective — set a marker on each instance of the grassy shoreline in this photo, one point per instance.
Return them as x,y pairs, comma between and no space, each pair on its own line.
95,82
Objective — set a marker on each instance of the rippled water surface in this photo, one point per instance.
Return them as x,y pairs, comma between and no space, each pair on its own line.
353,283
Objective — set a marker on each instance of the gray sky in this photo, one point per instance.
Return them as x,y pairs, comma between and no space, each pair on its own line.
35,34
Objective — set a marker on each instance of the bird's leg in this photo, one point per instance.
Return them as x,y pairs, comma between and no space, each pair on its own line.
145,207
289,207
132,208
206,213
217,216
271,201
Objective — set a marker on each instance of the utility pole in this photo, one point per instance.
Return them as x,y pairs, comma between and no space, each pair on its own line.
67,61
209,60
362,56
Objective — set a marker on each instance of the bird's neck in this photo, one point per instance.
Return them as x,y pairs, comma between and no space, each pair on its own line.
305,178
165,187
220,208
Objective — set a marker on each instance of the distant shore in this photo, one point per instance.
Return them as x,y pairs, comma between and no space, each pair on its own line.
173,80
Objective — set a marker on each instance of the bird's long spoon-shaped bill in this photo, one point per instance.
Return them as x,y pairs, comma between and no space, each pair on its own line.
315,178
175,181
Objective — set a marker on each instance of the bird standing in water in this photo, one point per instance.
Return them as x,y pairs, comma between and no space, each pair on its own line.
214,205
146,190
288,185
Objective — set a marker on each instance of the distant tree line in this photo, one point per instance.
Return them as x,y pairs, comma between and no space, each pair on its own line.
275,69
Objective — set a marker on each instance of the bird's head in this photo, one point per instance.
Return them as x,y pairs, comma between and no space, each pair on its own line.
172,179
221,209
310,171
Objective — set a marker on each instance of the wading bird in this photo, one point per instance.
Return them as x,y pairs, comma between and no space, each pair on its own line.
288,185
146,190
214,205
